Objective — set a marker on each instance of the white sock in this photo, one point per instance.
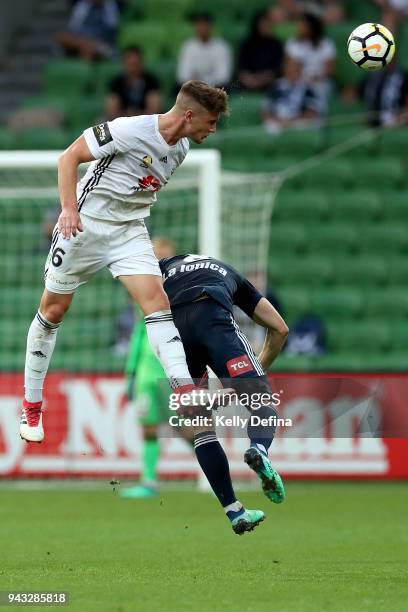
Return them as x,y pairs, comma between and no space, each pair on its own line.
40,346
168,348
235,507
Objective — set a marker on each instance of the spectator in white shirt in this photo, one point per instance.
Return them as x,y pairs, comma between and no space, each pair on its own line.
316,54
205,57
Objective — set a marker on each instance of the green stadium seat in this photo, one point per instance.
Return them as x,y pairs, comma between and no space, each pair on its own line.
372,336
43,138
293,363
399,335
295,300
287,238
389,303
68,78
150,35
328,175
105,73
391,140
361,271
308,205
383,172
342,303
395,205
299,143
83,113
245,110
386,237
397,270
8,139
179,9
333,238
357,205
304,271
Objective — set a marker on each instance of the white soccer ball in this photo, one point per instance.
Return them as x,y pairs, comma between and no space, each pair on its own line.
371,46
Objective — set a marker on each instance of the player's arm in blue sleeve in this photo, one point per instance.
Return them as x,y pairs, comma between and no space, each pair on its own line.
277,332
248,298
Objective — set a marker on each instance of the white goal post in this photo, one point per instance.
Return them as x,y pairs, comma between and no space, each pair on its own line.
207,166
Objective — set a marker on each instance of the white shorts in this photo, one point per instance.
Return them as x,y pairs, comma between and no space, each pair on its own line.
124,247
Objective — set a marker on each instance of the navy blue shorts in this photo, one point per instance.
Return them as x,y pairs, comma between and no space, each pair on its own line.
211,337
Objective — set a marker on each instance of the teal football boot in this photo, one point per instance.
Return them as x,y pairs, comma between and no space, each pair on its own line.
247,521
272,484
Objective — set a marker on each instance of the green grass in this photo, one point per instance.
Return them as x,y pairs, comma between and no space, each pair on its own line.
335,547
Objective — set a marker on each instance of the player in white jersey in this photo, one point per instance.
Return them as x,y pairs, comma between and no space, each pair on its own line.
102,224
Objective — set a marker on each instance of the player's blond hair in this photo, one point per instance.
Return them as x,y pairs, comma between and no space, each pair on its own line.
212,99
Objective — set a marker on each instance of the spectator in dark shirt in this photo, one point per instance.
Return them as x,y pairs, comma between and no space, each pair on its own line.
261,54
291,101
135,91
92,29
386,96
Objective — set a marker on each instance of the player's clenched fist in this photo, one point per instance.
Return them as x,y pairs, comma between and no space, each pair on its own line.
69,222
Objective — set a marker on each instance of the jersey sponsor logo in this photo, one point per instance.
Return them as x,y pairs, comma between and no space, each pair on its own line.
239,365
102,134
163,159
147,161
148,183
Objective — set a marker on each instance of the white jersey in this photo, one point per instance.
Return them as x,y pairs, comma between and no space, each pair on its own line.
133,162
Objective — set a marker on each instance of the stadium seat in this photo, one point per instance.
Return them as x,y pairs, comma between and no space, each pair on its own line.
356,205
391,302
245,110
395,205
43,139
384,238
287,238
331,238
308,205
302,272
68,78
360,271
383,172
374,336
105,73
7,139
150,35
397,270
295,300
327,175
342,303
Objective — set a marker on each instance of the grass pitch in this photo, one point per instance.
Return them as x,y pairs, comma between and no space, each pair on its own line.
331,547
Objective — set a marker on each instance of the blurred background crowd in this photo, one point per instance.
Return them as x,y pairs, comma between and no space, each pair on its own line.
69,64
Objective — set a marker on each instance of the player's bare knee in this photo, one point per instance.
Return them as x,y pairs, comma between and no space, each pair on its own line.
54,312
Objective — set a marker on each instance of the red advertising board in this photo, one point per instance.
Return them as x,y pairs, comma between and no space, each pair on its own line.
342,426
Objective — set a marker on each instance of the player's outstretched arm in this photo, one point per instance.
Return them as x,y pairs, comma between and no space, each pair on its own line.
267,316
69,221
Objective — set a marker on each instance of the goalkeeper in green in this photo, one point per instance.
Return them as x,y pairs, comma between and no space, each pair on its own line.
148,386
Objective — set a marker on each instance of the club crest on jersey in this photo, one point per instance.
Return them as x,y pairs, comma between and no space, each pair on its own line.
102,134
147,161
148,183
163,159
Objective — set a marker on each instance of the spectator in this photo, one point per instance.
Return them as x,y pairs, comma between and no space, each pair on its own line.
134,91
386,96
261,54
91,30
330,11
316,55
307,336
205,57
290,101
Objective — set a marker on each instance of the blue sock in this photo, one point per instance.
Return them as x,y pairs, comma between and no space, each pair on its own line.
214,463
261,436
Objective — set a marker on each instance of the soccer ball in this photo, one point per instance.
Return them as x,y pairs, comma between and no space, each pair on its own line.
371,46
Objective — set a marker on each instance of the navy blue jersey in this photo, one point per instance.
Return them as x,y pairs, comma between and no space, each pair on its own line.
189,277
